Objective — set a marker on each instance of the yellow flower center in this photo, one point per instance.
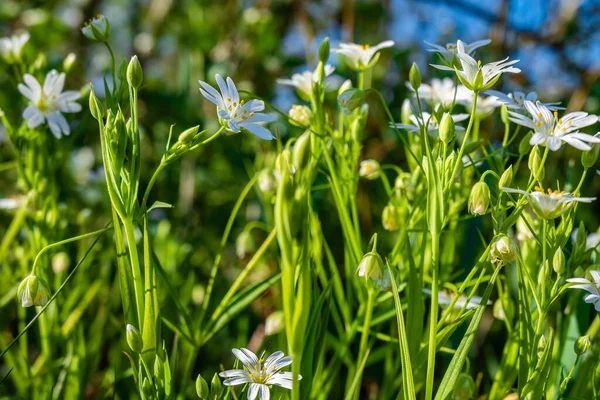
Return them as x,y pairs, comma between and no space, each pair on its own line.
365,47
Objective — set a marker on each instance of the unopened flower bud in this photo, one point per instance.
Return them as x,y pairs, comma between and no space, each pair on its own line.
503,249
97,29
414,76
300,116
95,107
589,158
33,291
351,99
506,178
369,169
498,310
324,50
504,114
535,164
68,62
542,344
524,145
345,86
283,164
245,244
188,134
135,74
558,261
215,386
60,262
390,217
301,153
274,323
582,345
446,129
371,266
201,387
134,339
266,181
479,200
464,388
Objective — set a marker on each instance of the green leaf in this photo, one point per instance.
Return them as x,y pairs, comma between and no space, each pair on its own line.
160,204
357,376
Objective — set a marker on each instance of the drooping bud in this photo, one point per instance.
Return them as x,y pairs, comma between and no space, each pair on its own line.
582,345
369,169
201,388
414,76
390,217
245,244
33,291
558,261
135,74
506,178
503,250
351,99
446,129
134,339
301,151
371,267
479,200
324,50
95,107
97,29
300,116
464,388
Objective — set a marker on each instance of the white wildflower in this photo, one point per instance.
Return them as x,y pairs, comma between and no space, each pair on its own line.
590,286
362,56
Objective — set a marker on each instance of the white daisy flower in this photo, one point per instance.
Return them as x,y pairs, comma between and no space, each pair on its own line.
446,297
11,47
235,114
259,373
550,204
476,76
449,51
589,286
433,126
552,131
303,82
516,100
361,56
49,102
441,91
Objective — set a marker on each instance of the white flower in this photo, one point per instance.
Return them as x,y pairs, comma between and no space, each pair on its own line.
11,47
476,76
442,91
591,242
361,57
449,51
445,298
234,113
97,29
589,286
433,126
304,81
49,102
516,100
550,204
552,131
259,373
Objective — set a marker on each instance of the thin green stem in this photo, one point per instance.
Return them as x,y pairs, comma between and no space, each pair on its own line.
433,317
136,268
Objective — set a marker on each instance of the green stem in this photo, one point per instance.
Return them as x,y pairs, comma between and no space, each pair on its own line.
138,285
433,317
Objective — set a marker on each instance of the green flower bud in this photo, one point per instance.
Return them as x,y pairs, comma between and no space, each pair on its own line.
589,158
300,116
414,76
558,261
371,266
188,134
324,50
215,386
504,114
582,345
301,151
135,74
95,107
524,145
534,163
69,62
97,29
503,250
33,291
390,217
479,200
245,244
446,129
506,178
498,310
201,387
351,99
134,339
464,388
283,164
345,86
542,344
369,169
